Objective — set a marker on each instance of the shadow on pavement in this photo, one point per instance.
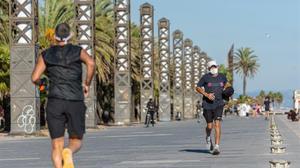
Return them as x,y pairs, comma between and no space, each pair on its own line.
196,150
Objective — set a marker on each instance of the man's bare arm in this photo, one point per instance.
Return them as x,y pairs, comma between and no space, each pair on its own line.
38,70
90,66
210,96
201,91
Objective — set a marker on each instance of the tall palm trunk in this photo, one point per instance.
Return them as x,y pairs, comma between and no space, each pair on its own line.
244,85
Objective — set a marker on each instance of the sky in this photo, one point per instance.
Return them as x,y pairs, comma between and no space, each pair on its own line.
270,27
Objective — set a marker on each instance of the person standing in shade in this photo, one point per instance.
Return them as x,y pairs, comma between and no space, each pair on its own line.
65,106
198,111
2,120
6,107
267,103
211,86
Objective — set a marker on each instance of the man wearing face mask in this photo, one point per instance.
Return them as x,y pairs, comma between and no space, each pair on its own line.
211,86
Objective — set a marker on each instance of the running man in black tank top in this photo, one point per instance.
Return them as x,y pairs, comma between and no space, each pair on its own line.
65,107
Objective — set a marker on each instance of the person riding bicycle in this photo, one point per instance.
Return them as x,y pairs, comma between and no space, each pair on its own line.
151,110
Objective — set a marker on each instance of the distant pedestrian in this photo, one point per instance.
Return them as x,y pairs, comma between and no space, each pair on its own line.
2,120
1,112
267,104
258,108
255,109
6,107
294,115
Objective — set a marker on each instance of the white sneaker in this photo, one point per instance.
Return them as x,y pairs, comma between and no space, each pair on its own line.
216,150
209,145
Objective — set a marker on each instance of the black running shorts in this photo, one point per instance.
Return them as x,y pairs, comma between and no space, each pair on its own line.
63,114
211,115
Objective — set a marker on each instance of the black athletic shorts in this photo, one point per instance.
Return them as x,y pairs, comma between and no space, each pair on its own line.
63,114
211,115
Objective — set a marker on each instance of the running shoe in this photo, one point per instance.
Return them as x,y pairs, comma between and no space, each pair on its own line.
67,158
209,144
216,150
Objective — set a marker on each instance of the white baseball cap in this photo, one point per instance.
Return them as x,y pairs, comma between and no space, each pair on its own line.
212,63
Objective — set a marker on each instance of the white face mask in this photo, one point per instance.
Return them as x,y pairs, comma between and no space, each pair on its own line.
214,71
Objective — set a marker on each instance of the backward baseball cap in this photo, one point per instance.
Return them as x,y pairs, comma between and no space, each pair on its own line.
212,63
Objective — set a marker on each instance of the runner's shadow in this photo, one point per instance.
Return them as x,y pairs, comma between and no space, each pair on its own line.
196,151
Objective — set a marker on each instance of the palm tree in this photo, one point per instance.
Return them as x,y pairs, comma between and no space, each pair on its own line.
51,14
104,47
4,47
104,8
278,98
262,93
135,52
246,64
4,21
226,72
4,68
261,97
104,54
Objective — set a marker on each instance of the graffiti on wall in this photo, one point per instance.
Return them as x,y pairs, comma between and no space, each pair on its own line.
27,119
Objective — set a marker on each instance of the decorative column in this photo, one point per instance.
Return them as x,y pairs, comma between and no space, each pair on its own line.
164,55
178,85
25,101
203,63
122,68
85,31
188,79
147,54
197,75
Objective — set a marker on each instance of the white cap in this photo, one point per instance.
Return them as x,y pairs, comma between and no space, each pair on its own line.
212,63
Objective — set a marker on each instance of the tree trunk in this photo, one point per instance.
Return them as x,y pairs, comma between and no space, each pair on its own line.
244,85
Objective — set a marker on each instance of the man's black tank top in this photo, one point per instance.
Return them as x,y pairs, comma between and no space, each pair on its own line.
64,70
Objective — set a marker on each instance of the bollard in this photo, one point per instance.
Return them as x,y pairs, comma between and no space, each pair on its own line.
273,126
272,121
278,149
276,137
276,142
273,134
279,164
274,131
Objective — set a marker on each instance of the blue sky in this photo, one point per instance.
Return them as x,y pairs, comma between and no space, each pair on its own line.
270,27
